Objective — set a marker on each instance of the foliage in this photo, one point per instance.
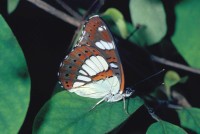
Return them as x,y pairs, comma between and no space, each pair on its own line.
171,78
14,82
12,5
162,127
66,112
151,16
75,114
118,19
190,118
186,36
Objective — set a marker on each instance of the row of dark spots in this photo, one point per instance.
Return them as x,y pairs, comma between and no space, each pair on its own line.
91,28
81,54
85,52
67,83
67,75
90,32
70,67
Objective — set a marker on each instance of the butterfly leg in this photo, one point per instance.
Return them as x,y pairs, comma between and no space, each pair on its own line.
98,103
124,101
128,93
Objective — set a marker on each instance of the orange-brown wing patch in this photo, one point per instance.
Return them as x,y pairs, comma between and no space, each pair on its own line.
103,75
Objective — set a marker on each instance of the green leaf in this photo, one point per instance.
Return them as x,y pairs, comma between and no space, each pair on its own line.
184,79
14,82
12,5
171,78
162,127
118,18
186,37
114,29
151,16
190,118
69,113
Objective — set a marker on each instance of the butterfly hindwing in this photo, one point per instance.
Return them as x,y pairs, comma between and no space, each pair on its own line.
82,66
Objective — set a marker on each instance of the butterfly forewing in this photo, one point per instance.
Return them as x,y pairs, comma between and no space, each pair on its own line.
93,58
97,34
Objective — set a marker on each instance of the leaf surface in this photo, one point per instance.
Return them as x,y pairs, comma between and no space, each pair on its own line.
69,113
12,5
186,37
163,127
151,16
14,82
190,118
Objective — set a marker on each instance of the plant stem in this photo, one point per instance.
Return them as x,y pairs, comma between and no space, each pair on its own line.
59,14
181,100
174,64
69,9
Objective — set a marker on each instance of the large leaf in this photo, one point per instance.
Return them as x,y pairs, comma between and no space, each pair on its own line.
186,37
190,118
12,5
127,28
162,127
14,82
151,16
118,18
69,113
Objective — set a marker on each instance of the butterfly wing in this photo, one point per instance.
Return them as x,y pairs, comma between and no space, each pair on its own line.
96,34
93,59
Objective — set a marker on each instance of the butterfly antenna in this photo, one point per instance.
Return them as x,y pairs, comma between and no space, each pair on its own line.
150,77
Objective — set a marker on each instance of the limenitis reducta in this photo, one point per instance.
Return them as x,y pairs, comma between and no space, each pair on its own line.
93,67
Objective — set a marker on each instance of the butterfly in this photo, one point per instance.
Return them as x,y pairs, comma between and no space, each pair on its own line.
93,68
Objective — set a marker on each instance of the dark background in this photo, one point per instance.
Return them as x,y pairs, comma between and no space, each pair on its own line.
44,40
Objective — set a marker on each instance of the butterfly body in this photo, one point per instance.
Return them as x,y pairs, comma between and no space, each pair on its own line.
93,68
